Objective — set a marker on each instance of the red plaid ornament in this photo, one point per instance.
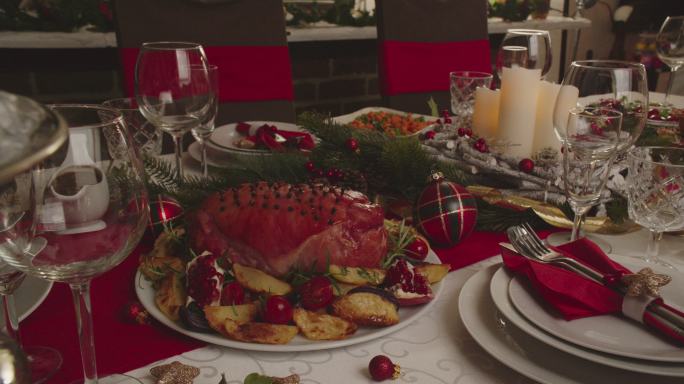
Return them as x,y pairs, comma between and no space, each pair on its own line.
445,212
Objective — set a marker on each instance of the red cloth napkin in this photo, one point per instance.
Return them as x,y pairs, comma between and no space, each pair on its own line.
265,136
575,296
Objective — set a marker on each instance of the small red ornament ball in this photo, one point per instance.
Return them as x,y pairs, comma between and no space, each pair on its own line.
351,144
134,312
526,165
429,135
417,249
382,368
445,212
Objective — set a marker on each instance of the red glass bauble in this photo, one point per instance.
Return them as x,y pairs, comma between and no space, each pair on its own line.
445,212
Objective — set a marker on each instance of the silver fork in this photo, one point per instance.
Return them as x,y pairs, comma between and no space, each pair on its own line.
526,242
530,244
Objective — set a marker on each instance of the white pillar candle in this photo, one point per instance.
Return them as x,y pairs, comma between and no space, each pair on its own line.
566,100
544,134
486,112
518,109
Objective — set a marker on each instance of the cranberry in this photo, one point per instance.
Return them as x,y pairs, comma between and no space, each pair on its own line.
310,166
417,249
351,144
232,294
429,135
447,120
461,132
278,310
316,293
469,132
526,165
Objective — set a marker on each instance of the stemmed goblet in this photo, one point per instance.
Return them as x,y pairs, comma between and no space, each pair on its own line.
203,131
79,212
655,191
527,48
615,85
590,143
670,47
171,88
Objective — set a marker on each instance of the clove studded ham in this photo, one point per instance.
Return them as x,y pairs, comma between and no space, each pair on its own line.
279,227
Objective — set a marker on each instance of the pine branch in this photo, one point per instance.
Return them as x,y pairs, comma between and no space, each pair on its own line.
494,218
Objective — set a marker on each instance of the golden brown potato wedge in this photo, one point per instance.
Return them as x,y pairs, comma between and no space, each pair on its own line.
434,273
263,333
217,315
321,326
163,259
364,308
357,275
170,296
258,281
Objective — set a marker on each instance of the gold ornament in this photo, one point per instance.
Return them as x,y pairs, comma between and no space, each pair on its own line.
645,282
175,373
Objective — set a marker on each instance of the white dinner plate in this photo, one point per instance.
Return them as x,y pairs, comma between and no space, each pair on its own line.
225,137
499,292
527,355
215,158
407,315
613,334
29,296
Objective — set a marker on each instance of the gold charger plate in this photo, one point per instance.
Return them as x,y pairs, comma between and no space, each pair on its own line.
551,214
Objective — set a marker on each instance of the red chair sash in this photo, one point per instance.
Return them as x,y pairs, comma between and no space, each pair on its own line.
246,73
415,67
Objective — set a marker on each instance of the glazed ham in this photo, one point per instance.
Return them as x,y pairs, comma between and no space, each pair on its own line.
278,227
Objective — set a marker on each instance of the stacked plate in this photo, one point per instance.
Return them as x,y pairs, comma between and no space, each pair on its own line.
518,328
222,147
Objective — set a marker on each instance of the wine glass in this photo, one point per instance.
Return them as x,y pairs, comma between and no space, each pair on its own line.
670,47
43,361
170,92
146,137
462,87
203,131
527,48
615,85
79,212
655,193
590,142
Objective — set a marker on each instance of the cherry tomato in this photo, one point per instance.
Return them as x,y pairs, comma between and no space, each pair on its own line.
316,293
232,294
417,249
278,310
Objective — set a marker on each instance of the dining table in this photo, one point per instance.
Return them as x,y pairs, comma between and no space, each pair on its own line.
435,347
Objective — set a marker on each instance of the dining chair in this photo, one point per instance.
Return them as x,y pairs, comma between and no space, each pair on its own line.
421,41
245,39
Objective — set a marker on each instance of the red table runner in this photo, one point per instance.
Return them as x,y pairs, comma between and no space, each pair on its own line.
123,346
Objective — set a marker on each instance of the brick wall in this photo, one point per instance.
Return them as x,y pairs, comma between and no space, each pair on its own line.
335,77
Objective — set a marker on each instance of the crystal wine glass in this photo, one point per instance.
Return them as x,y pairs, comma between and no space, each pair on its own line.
79,212
203,131
527,48
615,85
670,47
146,137
590,142
655,192
462,87
171,92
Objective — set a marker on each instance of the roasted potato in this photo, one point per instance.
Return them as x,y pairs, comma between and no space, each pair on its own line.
217,315
258,281
170,295
321,326
357,275
163,259
263,333
434,273
365,308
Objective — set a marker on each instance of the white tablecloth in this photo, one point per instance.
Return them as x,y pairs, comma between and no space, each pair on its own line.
435,349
